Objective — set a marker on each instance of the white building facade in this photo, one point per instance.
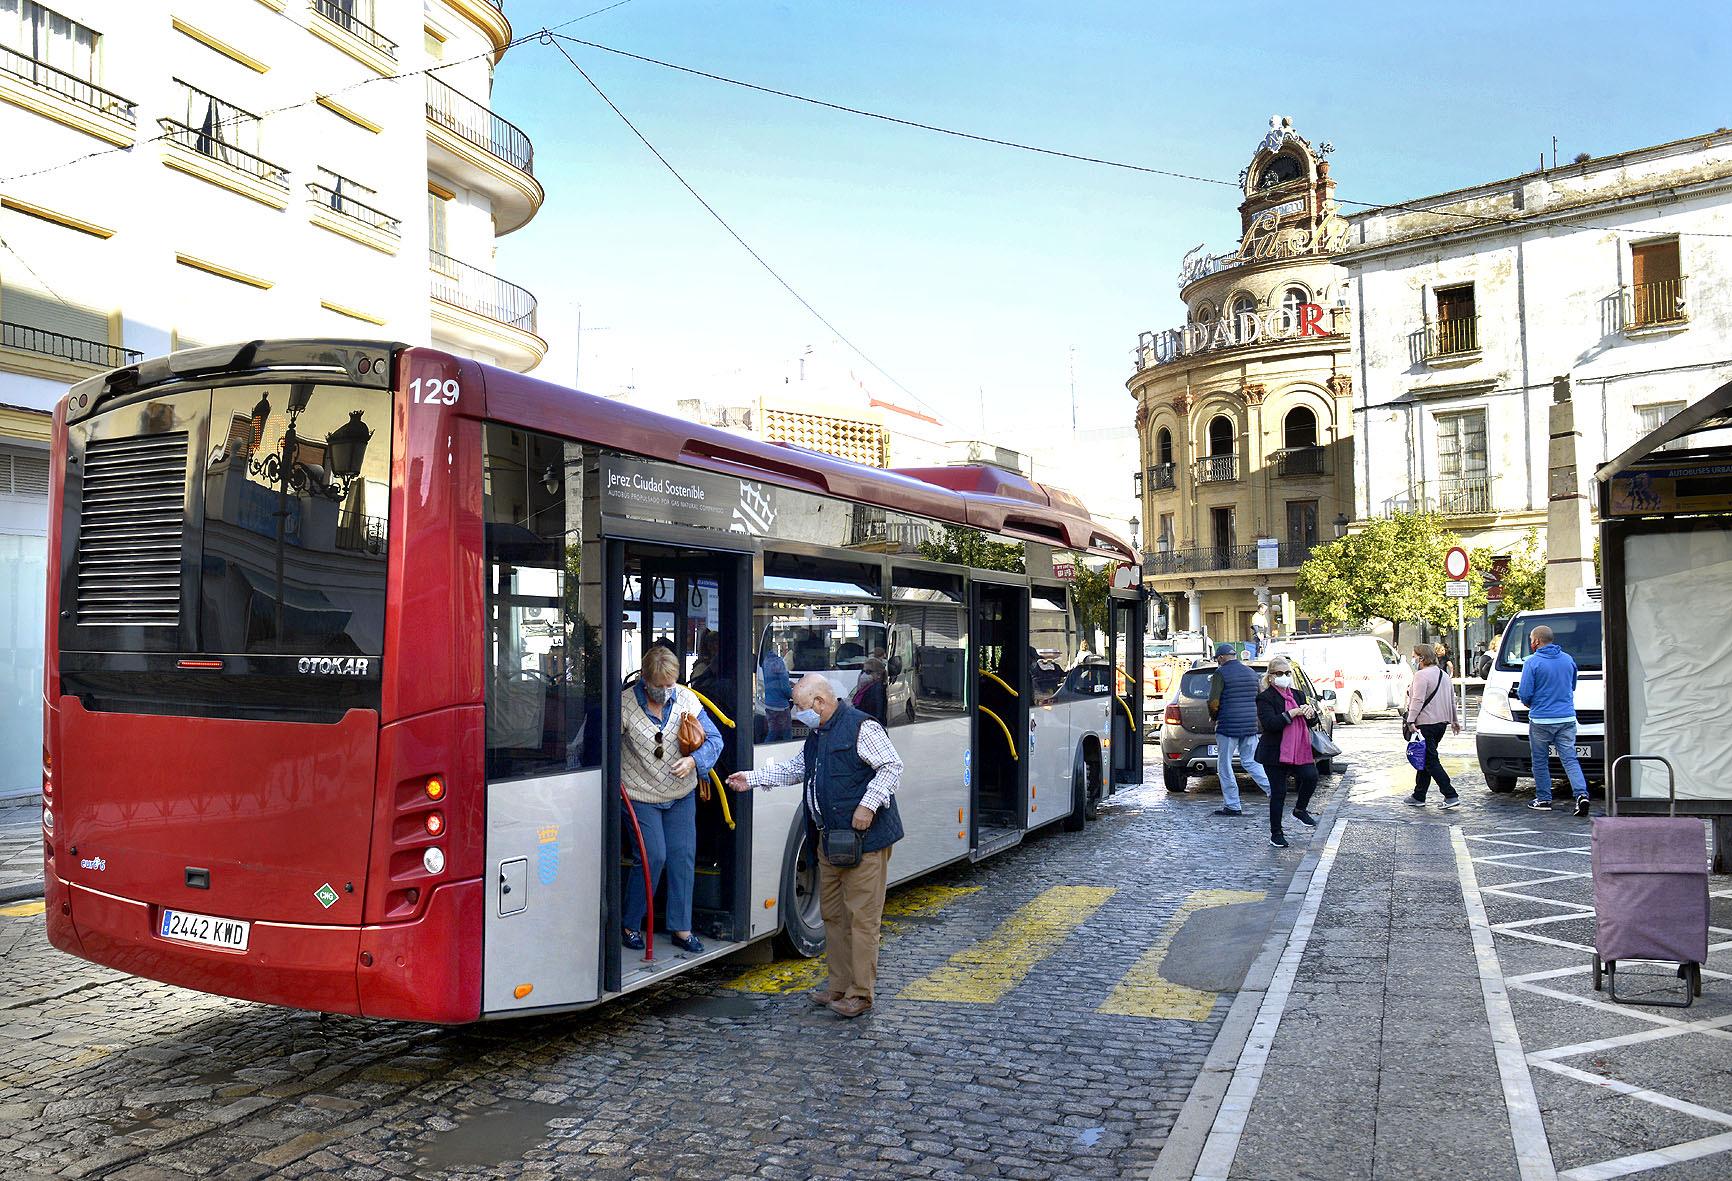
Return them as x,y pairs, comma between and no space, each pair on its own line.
1611,272
199,171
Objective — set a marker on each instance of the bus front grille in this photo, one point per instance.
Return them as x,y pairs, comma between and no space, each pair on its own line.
129,531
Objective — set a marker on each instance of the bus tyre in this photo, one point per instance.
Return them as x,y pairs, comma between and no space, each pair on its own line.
1501,784
1175,777
1355,710
1080,808
802,920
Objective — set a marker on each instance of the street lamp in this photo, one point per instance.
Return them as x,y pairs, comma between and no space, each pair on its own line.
345,447
1340,525
1137,484
1136,526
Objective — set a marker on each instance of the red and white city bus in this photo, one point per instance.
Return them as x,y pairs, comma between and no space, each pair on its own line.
336,642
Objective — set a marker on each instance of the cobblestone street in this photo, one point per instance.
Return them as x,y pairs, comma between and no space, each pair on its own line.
1041,1015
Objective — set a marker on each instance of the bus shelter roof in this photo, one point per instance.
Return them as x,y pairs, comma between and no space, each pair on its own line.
1712,413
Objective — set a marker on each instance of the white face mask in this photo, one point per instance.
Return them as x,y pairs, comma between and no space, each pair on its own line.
1282,682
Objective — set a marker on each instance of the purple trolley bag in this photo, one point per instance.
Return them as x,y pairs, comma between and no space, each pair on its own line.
1650,890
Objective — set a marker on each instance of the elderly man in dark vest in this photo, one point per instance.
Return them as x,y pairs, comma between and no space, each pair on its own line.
1233,705
849,771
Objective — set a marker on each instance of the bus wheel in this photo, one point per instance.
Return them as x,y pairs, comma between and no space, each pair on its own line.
802,920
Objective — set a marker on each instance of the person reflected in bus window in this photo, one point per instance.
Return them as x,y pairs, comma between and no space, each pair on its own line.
778,694
709,674
660,785
869,692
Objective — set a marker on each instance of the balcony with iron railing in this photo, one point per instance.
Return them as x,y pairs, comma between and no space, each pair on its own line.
1163,477
1298,461
461,114
1454,339
17,64
97,353
347,15
1212,559
469,143
1215,469
212,145
334,193
1467,496
1655,305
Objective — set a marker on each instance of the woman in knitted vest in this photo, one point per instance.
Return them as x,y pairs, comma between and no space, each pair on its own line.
661,785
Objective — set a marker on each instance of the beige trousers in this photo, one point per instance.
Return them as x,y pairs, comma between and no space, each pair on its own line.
852,903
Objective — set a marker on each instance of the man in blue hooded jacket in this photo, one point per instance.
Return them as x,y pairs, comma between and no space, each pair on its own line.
1548,689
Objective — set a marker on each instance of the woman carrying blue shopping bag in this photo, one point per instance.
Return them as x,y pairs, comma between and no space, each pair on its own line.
1431,709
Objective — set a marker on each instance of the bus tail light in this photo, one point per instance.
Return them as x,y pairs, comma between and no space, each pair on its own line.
435,788
433,860
435,824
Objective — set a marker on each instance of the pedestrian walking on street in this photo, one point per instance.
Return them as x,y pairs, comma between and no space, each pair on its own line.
1441,657
1548,689
850,772
1431,709
1285,712
1233,705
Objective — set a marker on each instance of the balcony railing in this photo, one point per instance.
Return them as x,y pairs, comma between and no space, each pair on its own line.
1163,476
473,289
1204,559
344,16
207,144
67,348
464,116
1451,338
1299,461
1468,496
336,198
67,86
1213,469
1656,303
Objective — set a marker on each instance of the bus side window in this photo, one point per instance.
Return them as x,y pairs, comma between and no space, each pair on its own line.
543,651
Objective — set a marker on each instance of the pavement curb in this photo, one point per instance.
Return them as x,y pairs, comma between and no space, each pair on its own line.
1190,1132
21,893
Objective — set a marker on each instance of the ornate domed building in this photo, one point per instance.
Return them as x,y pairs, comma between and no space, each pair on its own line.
1244,411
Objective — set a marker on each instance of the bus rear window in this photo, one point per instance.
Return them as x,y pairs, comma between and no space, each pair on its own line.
1576,632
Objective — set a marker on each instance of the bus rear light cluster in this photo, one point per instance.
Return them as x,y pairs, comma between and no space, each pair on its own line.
435,788
435,824
433,860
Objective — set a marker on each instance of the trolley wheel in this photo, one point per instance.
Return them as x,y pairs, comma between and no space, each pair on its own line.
1175,778
802,919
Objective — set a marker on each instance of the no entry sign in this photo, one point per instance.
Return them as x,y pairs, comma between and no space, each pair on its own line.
1455,563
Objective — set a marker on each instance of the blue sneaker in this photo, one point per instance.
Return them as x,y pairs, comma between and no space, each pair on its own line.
689,944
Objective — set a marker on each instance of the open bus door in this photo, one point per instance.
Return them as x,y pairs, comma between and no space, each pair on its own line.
1125,622
998,766
698,603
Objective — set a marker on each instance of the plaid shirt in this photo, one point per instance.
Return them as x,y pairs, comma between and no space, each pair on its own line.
873,747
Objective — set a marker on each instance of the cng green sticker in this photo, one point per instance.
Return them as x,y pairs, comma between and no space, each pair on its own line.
327,897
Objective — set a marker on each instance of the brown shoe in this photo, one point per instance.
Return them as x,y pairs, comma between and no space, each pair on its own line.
823,997
850,1006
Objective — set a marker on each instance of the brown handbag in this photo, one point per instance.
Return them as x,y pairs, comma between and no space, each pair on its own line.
692,733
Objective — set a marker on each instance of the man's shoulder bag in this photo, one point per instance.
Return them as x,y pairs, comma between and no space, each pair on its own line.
843,847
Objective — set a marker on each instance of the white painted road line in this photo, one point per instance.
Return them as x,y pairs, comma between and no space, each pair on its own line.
1527,1130
1216,1161
1641,1162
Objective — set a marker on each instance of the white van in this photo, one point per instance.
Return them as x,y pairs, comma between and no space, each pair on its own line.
1501,734
1368,676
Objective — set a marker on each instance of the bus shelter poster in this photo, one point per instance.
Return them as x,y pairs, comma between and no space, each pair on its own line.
650,491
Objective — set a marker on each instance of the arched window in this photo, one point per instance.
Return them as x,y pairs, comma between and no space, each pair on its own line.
1299,428
1243,305
1164,446
1203,313
1290,301
1221,435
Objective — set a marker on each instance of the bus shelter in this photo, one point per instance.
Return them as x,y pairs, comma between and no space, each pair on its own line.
1666,576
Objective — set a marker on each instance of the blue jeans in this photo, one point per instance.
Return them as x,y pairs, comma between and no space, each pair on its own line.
1562,735
1226,745
670,837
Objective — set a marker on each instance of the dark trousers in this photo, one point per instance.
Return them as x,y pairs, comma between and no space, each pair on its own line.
1433,734
1304,777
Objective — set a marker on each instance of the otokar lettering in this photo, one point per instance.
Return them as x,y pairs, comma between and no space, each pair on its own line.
334,666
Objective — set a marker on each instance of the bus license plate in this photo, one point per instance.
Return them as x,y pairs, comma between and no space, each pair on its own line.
230,934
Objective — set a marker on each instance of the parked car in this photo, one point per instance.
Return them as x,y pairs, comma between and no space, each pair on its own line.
1501,734
1188,732
1366,674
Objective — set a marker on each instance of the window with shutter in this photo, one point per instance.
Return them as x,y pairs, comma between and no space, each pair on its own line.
1657,283
1651,418
39,323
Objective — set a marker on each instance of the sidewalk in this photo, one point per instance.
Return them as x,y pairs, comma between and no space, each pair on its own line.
1425,1009
20,849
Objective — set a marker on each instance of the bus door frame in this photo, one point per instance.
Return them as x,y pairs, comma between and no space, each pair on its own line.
1127,733
729,559
981,580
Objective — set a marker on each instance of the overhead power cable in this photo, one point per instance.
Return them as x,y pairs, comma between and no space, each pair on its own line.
1081,158
552,38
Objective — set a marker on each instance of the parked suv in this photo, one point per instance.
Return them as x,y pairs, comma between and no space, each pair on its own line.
1501,735
1188,732
1367,675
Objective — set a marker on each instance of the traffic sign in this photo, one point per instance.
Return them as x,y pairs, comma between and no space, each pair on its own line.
1455,563
1456,590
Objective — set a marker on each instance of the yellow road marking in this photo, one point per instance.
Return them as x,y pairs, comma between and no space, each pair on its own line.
984,973
1144,992
794,974
23,910
1400,780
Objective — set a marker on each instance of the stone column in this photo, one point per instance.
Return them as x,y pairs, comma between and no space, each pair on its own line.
1194,607
1569,542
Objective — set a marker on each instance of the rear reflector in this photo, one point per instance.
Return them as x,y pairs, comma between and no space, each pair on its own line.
202,664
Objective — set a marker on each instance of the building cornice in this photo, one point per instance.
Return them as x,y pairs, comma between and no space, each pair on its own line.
209,41
22,423
1245,356
488,18
222,272
491,166
353,313
66,220
343,112
519,343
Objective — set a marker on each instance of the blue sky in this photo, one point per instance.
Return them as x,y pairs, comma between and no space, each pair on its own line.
960,266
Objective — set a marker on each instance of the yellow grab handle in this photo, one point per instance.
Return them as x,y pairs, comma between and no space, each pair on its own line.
1001,681
721,717
1129,716
722,794
1003,727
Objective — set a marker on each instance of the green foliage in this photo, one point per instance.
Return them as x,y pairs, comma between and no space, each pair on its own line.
968,547
1524,584
1390,570
1089,590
